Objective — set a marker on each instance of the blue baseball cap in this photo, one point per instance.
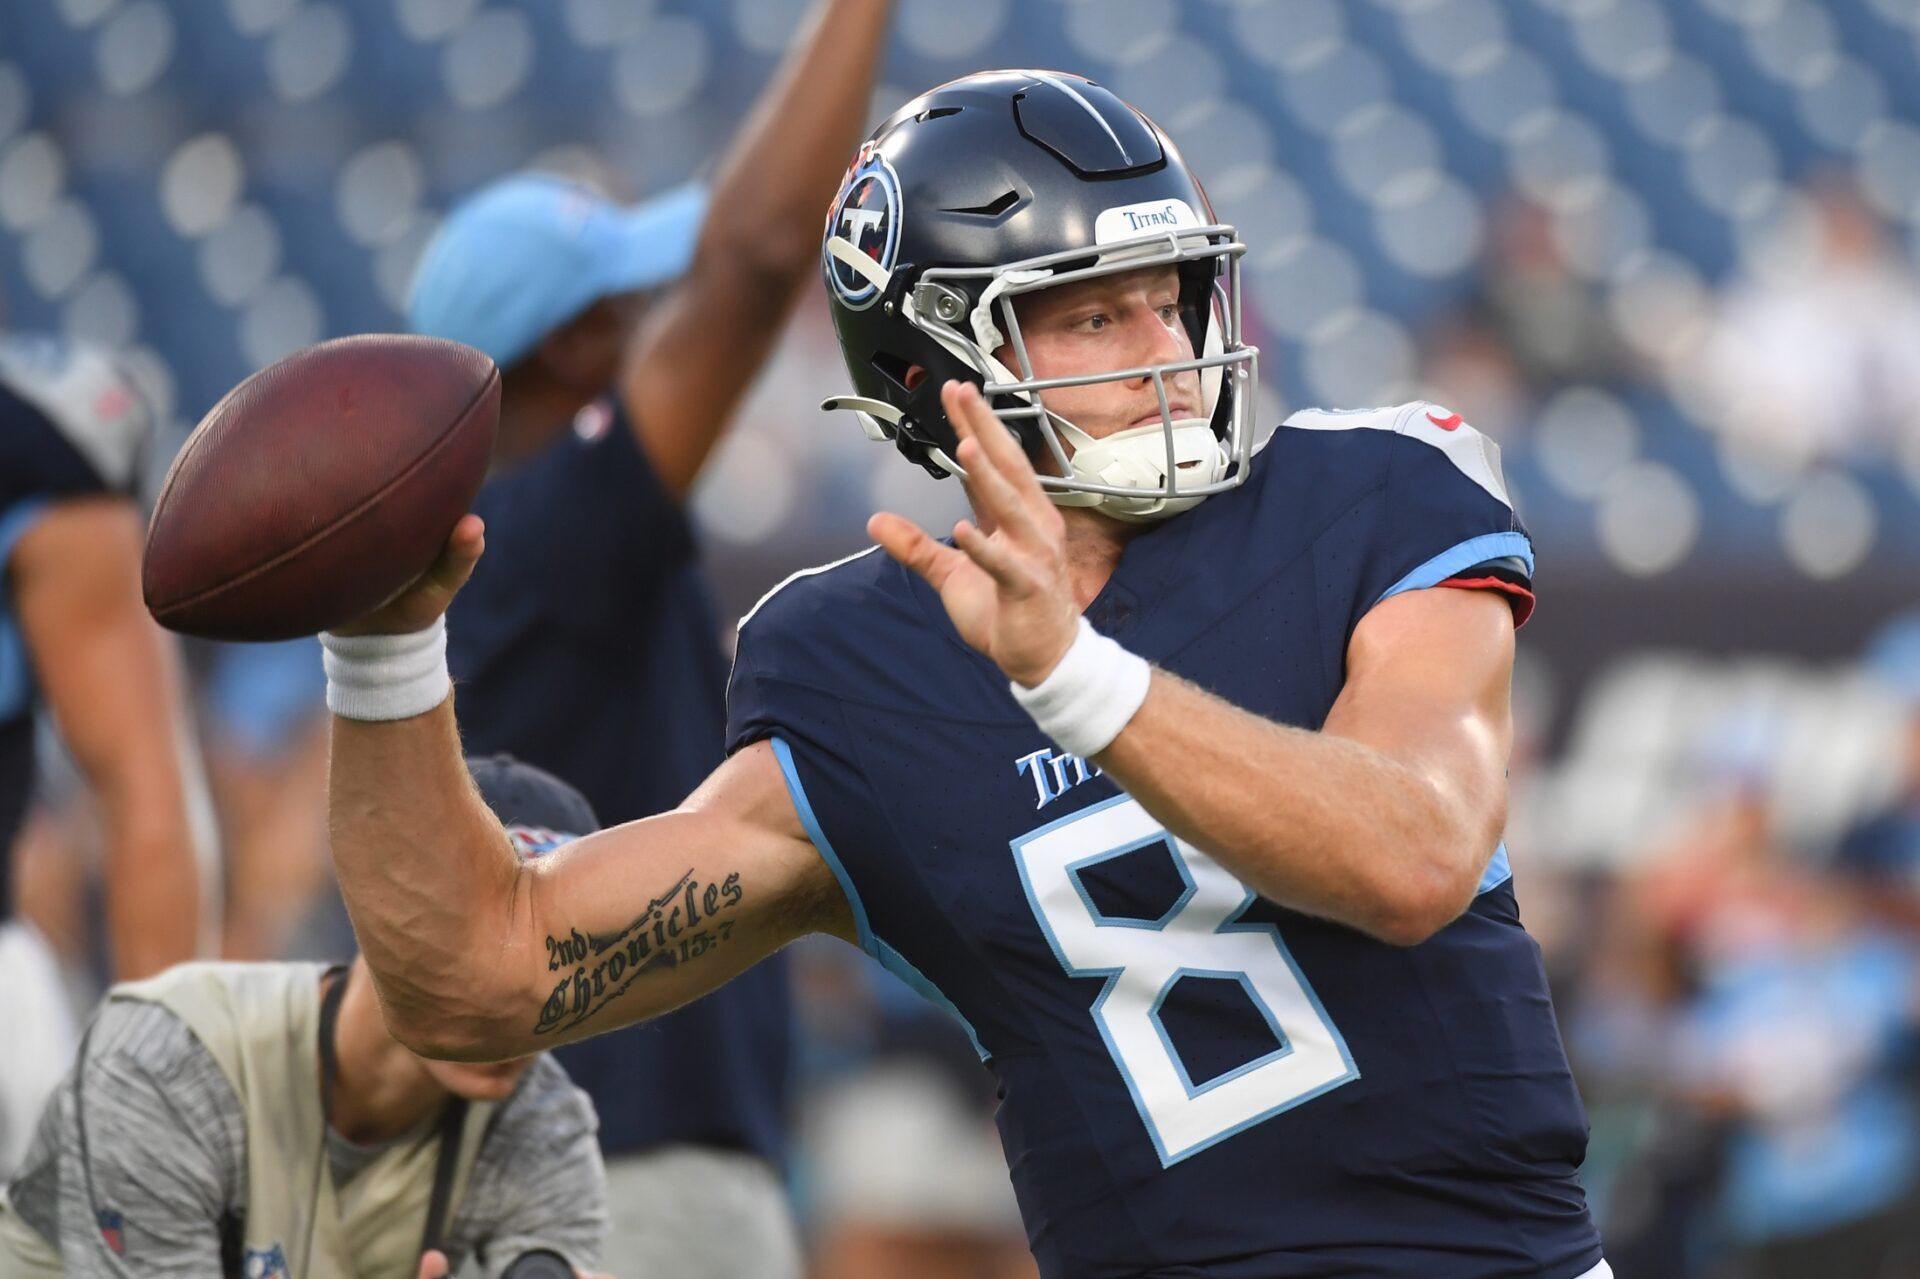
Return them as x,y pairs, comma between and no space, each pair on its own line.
520,257
540,811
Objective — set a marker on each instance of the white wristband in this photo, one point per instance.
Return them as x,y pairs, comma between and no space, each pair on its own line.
1086,700
383,677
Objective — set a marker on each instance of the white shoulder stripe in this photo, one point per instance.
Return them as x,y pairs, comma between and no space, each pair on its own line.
1476,456
84,392
791,578
1387,419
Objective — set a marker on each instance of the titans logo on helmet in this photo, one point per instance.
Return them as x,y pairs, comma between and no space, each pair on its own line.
867,216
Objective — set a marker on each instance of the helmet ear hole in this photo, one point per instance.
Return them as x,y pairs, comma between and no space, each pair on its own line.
1197,310
897,370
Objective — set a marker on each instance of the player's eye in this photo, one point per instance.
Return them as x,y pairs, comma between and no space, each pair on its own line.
1095,322
1169,313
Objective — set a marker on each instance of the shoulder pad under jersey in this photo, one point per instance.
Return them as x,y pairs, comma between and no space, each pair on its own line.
1476,456
88,397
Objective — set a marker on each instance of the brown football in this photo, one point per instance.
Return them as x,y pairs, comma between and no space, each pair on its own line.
320,487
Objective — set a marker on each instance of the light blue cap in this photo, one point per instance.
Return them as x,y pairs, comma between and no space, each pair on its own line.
519,258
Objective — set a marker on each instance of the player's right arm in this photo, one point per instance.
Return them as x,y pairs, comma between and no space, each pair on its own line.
700,346
480,956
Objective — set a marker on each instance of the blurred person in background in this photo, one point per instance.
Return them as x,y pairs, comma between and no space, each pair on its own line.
75,636
258,1121
1464,361
1654,1162
904,1173
1541,310
1881,852
266,744
1532,326
1775,1025
1629,1028
1813,351
587,643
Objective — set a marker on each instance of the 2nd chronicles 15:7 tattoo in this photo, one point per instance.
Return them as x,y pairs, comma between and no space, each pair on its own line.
685,922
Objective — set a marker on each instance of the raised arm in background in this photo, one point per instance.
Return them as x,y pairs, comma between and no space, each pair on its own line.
695,353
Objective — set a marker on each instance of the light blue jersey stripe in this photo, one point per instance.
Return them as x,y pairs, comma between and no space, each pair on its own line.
16,679
1498,871
1475,550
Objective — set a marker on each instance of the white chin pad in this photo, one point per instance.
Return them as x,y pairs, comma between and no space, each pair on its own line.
1136,458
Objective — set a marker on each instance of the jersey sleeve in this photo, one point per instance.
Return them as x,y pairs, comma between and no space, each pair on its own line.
17,519
71,422
769,701
71,425
1447,518
788,659
790,685
753,706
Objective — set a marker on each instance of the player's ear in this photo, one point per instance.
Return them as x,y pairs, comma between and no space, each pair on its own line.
915,375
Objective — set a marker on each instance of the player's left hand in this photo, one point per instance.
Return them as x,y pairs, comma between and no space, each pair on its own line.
1004,581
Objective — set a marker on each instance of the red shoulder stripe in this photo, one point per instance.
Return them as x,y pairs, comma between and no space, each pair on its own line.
1518,596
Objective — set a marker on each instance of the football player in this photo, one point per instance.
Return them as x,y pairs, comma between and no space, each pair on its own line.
76,640
1177,775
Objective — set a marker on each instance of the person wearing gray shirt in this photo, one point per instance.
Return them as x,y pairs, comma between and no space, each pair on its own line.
259,1120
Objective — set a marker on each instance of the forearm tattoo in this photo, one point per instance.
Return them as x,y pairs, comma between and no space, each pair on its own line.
685,923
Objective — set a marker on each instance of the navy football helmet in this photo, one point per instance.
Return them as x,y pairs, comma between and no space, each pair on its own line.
1001,184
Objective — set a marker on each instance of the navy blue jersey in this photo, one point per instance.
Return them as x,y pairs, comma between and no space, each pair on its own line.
1194,1080
70,427
586,644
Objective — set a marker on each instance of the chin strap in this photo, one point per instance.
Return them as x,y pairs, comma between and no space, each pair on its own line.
1136,458
879,419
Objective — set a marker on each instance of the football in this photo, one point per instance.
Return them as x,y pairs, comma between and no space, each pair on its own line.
320,487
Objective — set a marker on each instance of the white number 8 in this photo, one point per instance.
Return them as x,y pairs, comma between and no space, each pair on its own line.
1142,960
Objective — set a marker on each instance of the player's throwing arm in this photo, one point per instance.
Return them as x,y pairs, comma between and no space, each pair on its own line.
616,927
476,954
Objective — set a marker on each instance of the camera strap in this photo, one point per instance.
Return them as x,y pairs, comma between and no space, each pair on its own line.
453,1122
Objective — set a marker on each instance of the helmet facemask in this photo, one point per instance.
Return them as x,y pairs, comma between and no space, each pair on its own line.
1142,473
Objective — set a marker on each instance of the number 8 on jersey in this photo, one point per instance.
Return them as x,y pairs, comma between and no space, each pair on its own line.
1200,936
